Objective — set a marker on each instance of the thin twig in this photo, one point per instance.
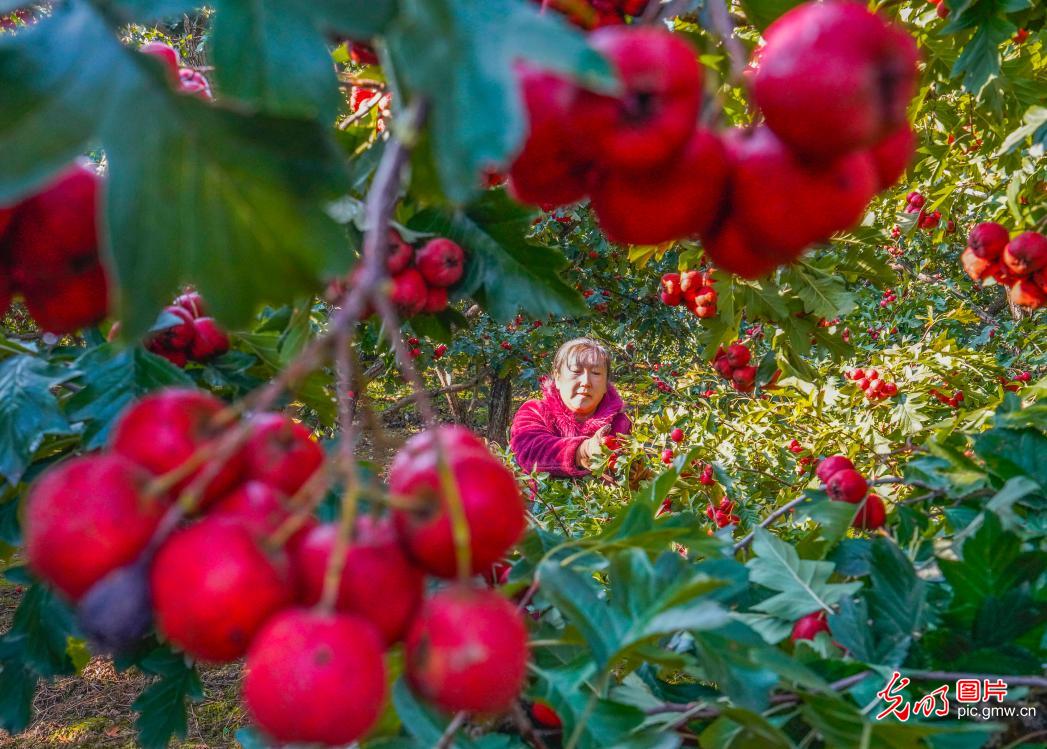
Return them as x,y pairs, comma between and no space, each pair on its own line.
451,730
724,27
767,521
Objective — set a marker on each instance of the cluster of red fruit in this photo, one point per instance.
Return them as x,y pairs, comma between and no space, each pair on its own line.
844,484
247,576
49,253
1014,383
833,82
804,461
692,288
914,204
953,400
732,364
15,19
1020,264
876,388
594,14
722,514
186,80
191,334
361,97
888,298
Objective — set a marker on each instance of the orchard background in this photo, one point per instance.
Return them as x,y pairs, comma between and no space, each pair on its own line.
659,602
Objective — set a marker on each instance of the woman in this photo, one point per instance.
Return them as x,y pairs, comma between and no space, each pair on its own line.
561,433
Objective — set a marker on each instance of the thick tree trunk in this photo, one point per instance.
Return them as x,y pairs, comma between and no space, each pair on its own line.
500,405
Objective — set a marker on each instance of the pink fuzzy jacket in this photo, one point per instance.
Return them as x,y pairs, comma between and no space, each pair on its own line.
545,435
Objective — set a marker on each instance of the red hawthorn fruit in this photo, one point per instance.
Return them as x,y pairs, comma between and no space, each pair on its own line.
179,358
260,508
439,351
178,336
162,430
784,204
846,486
1025,293
737,355
544,715
314,677
209,341
1020,36
656,205
87,517
409,292
166,53
743,379
890,389
977,268
806,627
691,281
942,10
915,199
192,303
440,261
547,170
832,465
7,215
612,442
54,255
729,248
361,53
399,253
280,452
670,300
194,83
435,300
490,498
891,156
988,239
672,284
656,113
211,604
1026,253
871,515
676,435
378,581
412,341
467,650
834,77
667,456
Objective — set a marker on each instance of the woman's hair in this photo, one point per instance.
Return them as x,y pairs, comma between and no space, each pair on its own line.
586,351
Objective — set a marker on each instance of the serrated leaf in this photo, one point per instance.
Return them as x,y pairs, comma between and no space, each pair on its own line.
803,585
111,380
161,707
41,629
28,410
979,62
17,688
504,272
823,295
476,117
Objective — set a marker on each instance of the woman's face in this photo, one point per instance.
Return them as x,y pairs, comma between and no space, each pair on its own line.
582,387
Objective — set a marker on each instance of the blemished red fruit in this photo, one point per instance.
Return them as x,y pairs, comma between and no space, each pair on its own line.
179,334
435,300
832,465
738,355
165,52
467,650
162,430
400,253
846,486
491,500
210,340
213,588
280,452
806,627
783,204
872,514
440,261
87,517
656,113
409,292
547,170
312,677
1025,293
676,435
978,268
192,302
1026,253
378,582
834,77
892,155
54,254
656,205
672,283
544,715
988,239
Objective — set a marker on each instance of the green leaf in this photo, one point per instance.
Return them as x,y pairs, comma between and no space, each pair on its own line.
111,380
269,55
823,295
979,62
761,13
41,630
1014,452
577,597
803,585
28,410
161,706
356,19
17,688
504,272
422,722
1035,125
476,109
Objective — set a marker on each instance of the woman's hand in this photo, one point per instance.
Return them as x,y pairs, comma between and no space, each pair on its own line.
591,447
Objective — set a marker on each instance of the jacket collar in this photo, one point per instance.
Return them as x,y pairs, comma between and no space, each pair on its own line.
567,424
